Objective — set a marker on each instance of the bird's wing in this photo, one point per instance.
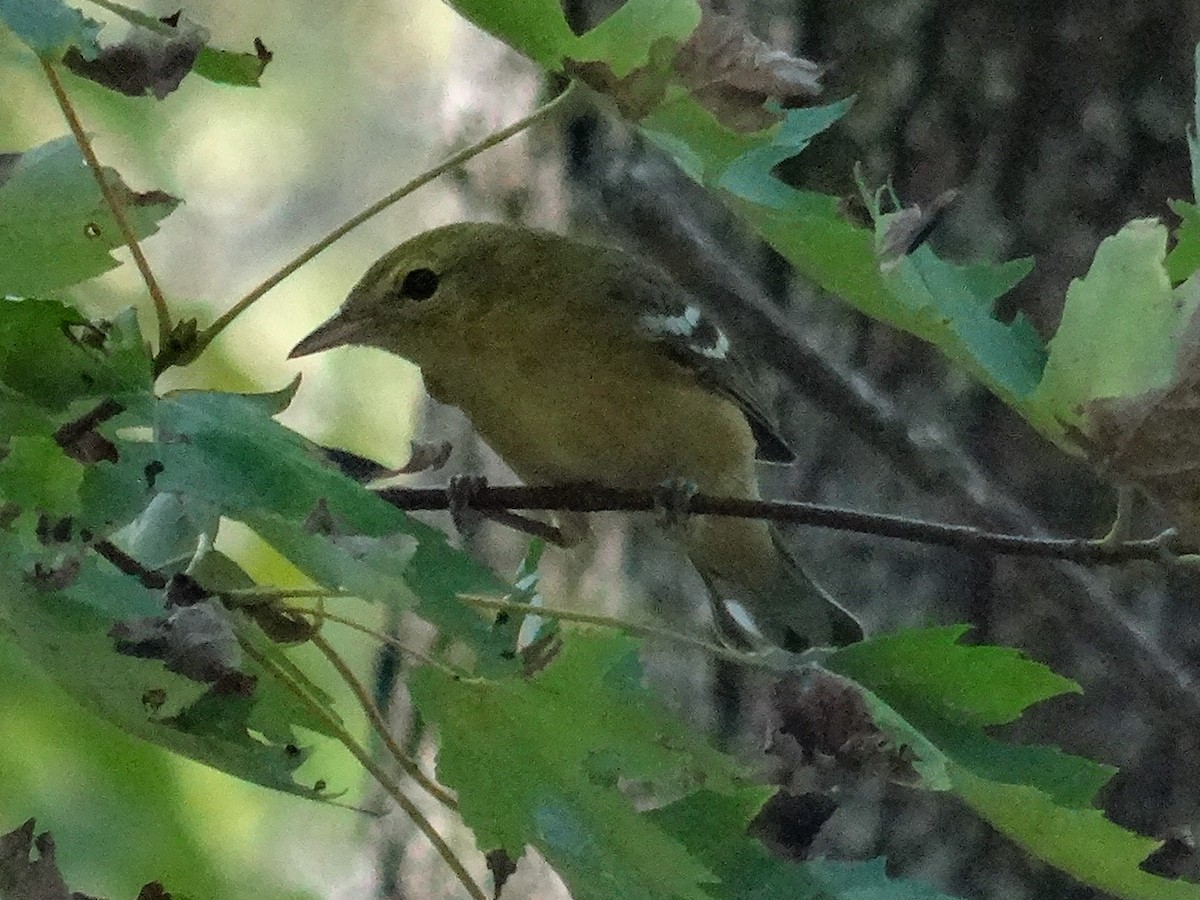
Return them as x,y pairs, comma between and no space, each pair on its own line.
666,314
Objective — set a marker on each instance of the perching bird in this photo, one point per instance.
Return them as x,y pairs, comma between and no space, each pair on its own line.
583,363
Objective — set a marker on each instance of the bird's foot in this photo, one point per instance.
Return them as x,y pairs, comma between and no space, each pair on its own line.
461,491
672,503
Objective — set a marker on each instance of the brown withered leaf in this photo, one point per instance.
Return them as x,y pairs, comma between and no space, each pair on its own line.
728,70
502,866
909,228
826,736
153,891
1152,440
195,641
55,576
30,879
789,823
732,73
146,61
1176,858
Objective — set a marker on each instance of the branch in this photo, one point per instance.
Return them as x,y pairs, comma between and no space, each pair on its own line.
453,162
161,313
595,498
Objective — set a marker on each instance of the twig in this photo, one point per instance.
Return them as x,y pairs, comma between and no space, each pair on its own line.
773,659
594,498
365,760
161,313
149,578
375,716
423,658
206,337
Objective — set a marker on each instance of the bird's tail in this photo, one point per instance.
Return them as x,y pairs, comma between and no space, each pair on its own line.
787,607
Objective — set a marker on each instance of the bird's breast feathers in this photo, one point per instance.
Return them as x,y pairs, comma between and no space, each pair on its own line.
588,404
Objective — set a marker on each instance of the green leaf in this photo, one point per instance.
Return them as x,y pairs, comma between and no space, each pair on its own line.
537,761
55,228
36,473
623,41
748,176
229,67
54,357
937,695
927,691
1081,842
1184,259
947,305
928,667
1120,328
713,827
49,27
536,28
64,629
226,451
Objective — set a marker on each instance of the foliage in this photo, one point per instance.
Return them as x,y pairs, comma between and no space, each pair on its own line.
112,498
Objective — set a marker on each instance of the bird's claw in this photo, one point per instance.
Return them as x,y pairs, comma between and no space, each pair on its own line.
672,502
461,491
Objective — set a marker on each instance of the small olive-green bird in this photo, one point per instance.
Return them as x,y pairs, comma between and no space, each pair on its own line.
584,363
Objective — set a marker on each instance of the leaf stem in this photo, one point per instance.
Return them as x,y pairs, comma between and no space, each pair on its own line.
423,658
769,659
204,338
161,313
375,716
364,758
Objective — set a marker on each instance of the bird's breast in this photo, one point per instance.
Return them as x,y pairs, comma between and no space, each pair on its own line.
577,405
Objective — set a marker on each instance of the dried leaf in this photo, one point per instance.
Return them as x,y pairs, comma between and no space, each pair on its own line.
153,891
728,70
732,73
789,823
55,577
909,228
30,879
826,736
1176,858
147,60
281,625
1152,440
195,641
502,866
635,94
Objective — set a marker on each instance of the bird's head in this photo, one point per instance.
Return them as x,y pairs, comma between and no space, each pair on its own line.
431,283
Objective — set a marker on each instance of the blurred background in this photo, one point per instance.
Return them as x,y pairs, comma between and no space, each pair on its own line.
1059,123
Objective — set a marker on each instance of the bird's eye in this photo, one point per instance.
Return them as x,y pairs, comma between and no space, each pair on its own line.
419,284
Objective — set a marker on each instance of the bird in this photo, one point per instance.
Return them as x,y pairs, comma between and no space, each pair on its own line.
579,362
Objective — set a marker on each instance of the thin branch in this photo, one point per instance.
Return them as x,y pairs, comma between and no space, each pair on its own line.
773,659
206,337
150,579
375,716
594,498
161,313
423,658
367,762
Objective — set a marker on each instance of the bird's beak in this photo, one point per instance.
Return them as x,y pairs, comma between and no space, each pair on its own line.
335,332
